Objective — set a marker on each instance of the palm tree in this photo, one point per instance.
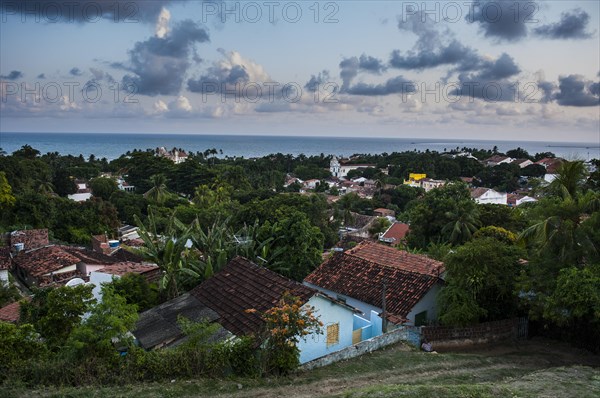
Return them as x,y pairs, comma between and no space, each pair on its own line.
158,193
169,251
560,232
461,228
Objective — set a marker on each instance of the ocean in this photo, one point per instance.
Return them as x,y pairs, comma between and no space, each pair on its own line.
112,145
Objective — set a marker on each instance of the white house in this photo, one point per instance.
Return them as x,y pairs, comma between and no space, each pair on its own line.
83,193
5,263
363,276
106,273
340,170
489,196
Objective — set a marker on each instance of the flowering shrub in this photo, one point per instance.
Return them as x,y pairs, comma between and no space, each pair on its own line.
286,324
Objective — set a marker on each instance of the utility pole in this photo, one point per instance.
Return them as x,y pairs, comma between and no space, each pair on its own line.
383,313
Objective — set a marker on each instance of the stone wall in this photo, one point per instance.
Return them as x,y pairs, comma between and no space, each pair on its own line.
361,348
444,337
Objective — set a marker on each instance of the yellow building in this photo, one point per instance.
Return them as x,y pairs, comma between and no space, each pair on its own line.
413,179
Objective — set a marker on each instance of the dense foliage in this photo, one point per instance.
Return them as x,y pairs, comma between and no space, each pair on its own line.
540,259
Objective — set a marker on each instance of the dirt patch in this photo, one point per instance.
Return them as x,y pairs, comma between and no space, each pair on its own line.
557,353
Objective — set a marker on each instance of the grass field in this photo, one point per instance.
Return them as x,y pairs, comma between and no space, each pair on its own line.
535,368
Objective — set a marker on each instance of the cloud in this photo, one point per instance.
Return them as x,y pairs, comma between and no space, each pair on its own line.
41,76
396,85
13,75
350,67
503,20
230,73
160,64
572,25
162,23
315,81
87,10
75,72
433,47
575,91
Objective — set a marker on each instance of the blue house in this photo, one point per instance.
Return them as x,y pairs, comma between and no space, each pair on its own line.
363,276
242,292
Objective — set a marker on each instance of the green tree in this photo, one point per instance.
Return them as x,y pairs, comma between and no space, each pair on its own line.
480,282
55,312
105,329
169,251
6,197
439,209
297,246
158,193
463,223
136,290
103,187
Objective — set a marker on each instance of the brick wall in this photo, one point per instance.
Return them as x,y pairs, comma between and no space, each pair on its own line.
442,337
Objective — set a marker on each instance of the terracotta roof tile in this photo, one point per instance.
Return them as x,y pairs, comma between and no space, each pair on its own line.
243,285
396,231
31,238
45,260
11,312
478,192
123,268
361,272
5,258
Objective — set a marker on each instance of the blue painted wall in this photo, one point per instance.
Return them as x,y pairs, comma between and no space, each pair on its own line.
315,345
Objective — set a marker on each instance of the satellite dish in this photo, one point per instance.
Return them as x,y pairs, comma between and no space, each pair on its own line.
75,282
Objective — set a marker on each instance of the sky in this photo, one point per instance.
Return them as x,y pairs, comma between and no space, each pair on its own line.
491,69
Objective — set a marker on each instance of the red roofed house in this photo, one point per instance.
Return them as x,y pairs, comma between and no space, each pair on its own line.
551,165
5,264
360,277
11,312
395,233
107,273
243,285
238,296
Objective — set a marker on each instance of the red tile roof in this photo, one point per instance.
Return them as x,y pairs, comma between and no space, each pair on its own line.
397,231
243,285
45,260
4,258
478,192
31,238
123,268
361,272
11,312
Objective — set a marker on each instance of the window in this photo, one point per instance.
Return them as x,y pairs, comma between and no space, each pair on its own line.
333,334
421,318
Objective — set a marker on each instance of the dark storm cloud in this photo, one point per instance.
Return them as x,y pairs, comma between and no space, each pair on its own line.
572,25
575,91
350,67
13,75
315,81
75,72
160,64
86,10
396,85
218,78
348,71
451,54
371,64
503,20
490,81
502,68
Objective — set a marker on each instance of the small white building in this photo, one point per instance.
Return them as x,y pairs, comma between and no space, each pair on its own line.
340,170
489,196
83,193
